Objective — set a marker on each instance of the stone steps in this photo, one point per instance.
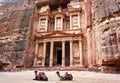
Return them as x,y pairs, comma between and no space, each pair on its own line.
60,68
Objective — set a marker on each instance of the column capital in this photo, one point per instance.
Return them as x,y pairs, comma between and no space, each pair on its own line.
80,40
51,41
71,40
45,42
36,42
79,14
63,40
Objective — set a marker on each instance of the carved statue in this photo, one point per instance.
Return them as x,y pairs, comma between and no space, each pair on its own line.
40,76
65,77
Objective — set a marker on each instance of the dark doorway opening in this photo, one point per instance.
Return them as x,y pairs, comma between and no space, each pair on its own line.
59,57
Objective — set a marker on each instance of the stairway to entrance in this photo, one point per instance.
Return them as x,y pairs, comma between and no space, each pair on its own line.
59,68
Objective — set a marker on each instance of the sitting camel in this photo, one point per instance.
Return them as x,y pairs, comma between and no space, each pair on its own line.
65,77
40,76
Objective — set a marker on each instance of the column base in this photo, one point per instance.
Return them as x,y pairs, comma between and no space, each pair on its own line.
63,65
38,66
71,65
90,66
43,65
50,66
81,66
34,65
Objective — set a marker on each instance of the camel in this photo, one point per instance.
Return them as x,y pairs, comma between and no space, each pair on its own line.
65,77
40,76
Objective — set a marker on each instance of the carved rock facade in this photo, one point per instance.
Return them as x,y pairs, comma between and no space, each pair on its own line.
99,25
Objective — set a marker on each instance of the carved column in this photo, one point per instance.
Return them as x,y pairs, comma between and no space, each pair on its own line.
81,54
89,47
63,53
36,54
44,54
51,54
71,53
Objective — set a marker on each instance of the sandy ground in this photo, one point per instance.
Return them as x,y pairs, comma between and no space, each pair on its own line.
78,77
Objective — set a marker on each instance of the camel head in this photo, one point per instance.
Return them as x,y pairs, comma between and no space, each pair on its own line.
57,72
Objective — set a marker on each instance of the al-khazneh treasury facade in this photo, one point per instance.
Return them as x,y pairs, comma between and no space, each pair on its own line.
59,37
77,33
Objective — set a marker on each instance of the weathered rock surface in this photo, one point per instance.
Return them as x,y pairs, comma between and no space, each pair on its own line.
106,17
5,64
104,9
14,20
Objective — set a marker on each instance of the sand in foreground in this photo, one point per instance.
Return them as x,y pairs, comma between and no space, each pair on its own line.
78,77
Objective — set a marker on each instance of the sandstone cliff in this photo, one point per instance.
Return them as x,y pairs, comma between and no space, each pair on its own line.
14,27
106,24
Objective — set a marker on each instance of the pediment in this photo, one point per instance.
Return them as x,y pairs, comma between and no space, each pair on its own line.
57,34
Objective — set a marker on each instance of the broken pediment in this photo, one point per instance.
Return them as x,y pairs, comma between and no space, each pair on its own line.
44,8
74,4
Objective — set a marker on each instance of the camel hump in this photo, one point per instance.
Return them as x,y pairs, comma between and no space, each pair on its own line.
69,76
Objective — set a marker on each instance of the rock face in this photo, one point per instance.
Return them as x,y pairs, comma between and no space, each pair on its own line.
5,64
14,20
106,22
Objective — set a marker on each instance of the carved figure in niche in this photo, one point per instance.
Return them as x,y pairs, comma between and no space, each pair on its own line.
58,23
75,21
66,76
59,9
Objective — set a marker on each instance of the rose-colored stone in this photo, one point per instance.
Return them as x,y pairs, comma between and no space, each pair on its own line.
99,27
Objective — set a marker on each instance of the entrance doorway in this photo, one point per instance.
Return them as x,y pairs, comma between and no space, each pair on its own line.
59,57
